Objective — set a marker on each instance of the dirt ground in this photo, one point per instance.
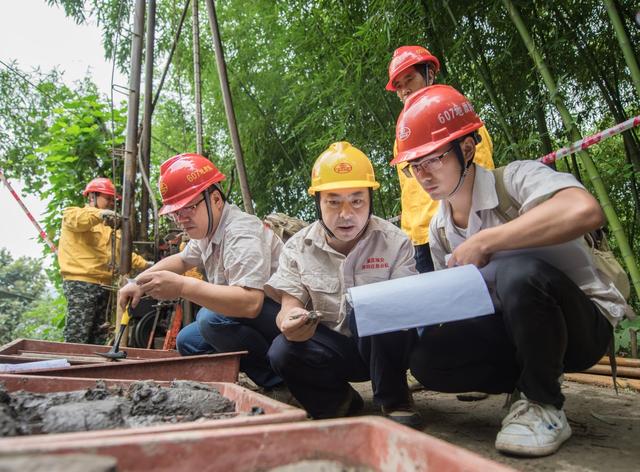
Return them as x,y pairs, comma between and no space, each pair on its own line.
606,427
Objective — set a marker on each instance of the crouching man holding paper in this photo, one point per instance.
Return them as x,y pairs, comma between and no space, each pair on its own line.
547,321
318,356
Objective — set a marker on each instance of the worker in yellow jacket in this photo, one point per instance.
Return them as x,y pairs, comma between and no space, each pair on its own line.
411,69
84,255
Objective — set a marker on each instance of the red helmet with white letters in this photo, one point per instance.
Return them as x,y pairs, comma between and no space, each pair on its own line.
183,177
432,117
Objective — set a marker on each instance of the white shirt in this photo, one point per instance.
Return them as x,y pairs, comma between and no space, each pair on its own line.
529,183
242,251
319,276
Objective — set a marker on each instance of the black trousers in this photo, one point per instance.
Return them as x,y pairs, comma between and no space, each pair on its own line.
424,263
544,325
317,371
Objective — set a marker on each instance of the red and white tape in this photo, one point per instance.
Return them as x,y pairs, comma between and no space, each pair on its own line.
590,140
43,235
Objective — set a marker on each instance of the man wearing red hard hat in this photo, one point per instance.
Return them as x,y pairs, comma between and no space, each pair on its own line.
238,253
554,311
84,255
412,68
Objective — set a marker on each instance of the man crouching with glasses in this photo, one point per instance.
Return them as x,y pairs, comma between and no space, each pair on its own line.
238,253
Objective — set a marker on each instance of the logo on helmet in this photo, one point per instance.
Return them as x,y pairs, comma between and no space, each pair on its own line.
163,188
343,168
404,133
196,174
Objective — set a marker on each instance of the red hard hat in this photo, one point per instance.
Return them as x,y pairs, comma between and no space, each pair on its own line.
183,177
407,56
432,117
101,185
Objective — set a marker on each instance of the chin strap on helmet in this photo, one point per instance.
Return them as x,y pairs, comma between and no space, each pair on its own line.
464,166
319,215
423,69
207,202
364,228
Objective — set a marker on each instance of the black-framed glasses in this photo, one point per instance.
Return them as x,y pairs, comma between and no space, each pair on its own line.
186,211
430,163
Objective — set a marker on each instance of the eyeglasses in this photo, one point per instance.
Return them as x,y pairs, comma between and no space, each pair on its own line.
185,211
425,164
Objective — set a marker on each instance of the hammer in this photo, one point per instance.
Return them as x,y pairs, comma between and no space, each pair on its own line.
115,353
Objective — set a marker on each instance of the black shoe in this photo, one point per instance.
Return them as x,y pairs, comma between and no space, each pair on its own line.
404,414
351,405
281,393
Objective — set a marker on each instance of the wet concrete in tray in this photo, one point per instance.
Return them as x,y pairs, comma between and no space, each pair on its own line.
143,403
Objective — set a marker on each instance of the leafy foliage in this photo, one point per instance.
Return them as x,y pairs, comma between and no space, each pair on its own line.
44,320
64,139
305,73
22,283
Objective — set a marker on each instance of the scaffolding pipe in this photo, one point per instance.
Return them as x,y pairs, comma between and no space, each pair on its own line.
170,58
131,143
228,107
196,78
145,148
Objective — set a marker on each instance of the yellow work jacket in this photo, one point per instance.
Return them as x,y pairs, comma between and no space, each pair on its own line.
84,250
417,206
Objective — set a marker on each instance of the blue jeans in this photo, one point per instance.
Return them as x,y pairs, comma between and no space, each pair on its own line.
212,332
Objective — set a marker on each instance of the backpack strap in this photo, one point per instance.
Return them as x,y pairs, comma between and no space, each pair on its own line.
508,208
443,237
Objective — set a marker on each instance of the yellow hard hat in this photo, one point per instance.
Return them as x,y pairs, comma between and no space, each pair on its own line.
342,166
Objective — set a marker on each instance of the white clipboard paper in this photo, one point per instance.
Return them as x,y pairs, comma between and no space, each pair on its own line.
426,299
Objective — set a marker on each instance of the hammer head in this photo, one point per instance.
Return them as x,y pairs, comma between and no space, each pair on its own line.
113,355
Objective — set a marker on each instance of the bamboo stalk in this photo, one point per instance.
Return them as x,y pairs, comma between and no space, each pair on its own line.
603,381
484,76
621,361
569,123
625,44
630,372
228,107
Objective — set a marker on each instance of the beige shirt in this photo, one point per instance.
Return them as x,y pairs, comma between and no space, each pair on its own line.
529,183
242,251
319,276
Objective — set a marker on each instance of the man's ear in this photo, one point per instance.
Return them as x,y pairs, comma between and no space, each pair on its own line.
217,199
468,146
431,74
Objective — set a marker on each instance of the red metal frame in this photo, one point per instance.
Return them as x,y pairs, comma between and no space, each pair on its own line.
368,441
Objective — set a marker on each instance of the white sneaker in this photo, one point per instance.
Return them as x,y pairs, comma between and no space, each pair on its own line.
533,429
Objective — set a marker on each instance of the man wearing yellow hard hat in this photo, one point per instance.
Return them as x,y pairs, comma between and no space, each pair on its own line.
319,351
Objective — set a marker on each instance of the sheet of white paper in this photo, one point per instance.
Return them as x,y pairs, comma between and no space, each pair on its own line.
36,365
420,300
